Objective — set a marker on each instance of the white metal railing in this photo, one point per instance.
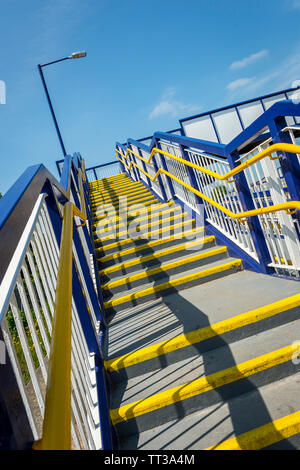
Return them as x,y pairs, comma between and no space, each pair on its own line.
181,172
268,187
222,192
26,313
295,140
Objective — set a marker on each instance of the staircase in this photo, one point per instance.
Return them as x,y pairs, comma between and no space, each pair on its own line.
199,352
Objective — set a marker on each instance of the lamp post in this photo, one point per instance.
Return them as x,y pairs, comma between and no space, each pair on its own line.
75,55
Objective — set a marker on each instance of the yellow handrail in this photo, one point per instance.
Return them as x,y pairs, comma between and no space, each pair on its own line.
291,148
287,206
57,419
81,193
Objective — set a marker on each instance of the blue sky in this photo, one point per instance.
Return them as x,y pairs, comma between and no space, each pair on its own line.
149,63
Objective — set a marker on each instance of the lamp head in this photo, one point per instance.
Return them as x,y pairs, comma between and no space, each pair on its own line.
77,55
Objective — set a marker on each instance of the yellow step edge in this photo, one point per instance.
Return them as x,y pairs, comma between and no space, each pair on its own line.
109,193
109,189
152,243
163,267
134,201
144,226
119,195
202,385
203,334
132,207
123,199
108,184
175,282
103,181
166,251
263,436
110,178
118,185
155,215
180,225
132,212
103,184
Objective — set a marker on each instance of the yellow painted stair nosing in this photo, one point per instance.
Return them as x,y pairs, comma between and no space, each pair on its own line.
173,283
158,254
113,177
132,212
114,194
144,226
116,203
116,186
153,198
263,436
163,267
135,249
202,334
119,197
202,385
155,215
185,233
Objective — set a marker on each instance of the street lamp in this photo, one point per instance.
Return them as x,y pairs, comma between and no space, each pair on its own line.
75,55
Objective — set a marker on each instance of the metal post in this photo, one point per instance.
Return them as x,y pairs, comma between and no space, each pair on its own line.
193,182
159,179
52,110
247,204
164,165
288,161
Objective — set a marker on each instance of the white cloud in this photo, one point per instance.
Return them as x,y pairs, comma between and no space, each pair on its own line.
169,105
239,64
239,83
293,4
280,76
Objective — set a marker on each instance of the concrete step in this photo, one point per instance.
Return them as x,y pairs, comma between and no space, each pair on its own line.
136,229
103,182
116,199
195,320
265,418
108,211
176,282
148,274
203,339
105,196
155,257
115,250
127,220
136,209
196,383
111,209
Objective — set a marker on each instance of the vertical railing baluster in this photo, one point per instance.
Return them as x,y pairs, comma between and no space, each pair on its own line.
247,204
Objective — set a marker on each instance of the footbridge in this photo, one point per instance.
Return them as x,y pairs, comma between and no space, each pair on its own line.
153,302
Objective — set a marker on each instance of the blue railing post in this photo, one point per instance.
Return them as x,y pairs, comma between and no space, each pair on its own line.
247,203
144,168
164,165
105,422
193,183
288,161
160,181
133,159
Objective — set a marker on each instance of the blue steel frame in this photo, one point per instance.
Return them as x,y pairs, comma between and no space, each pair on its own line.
15,209
274,121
